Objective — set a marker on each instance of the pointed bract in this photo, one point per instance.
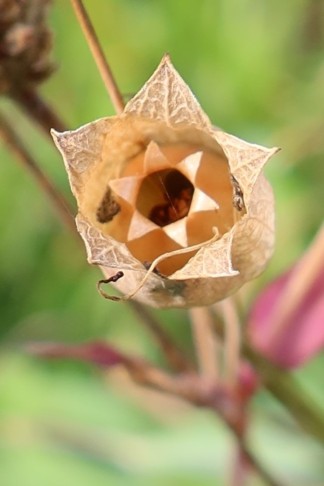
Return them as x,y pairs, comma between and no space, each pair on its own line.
213,260
166,97
103,250
246,160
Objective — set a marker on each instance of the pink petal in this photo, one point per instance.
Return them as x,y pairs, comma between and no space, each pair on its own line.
293,337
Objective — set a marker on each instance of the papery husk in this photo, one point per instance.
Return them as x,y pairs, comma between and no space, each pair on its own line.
166,112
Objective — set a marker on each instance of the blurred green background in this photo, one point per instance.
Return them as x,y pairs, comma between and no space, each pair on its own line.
257,68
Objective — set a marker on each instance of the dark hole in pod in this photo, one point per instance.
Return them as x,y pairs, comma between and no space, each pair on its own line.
171,193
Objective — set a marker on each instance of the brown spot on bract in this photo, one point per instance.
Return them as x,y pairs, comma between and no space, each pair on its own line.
108,208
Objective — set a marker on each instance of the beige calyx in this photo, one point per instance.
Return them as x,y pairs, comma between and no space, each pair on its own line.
180,208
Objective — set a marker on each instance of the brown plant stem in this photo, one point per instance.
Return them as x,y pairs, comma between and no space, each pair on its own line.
254,463
191,387
241,468
232,340
205,340
286,389
46,118
99,57
37,109
194,389
174,356
17,147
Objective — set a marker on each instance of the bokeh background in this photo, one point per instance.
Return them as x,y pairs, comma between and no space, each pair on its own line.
257,68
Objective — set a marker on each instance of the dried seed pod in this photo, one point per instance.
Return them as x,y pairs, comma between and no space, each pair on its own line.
25,45
181,194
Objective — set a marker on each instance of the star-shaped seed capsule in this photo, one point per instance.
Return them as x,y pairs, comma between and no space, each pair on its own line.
160,184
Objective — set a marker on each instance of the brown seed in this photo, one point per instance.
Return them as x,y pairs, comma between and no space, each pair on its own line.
238,200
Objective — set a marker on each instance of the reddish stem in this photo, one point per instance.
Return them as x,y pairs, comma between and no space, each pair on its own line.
38,110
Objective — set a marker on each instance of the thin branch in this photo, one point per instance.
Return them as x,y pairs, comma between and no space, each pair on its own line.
39,111
232,340
46,118
174,356
193,388
190,387
241,468
206,343
17,147
98,54
254,463
285,387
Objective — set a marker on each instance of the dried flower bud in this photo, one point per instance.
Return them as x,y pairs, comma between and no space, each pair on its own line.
160,184
25,43
286,322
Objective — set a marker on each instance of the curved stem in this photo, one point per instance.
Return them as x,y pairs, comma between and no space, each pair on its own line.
285,387
253,462
46,118
37,109
192,388
15,144
175,356
232,340
206,342
99,57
